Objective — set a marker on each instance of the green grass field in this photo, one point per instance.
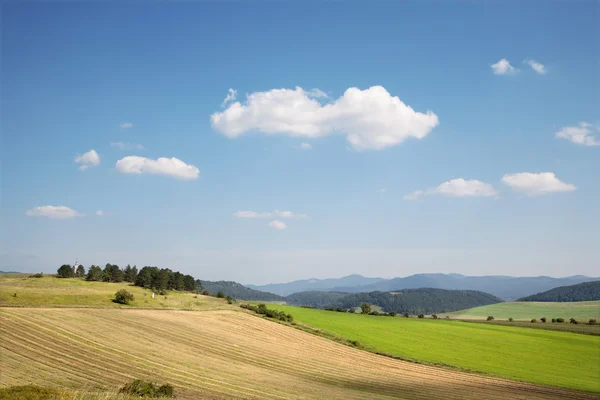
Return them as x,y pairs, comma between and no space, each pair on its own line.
50,291
546,357
526,310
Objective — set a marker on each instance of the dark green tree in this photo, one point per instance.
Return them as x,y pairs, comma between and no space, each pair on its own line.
146,276
130,273
80,272
220,294
65,271
94,273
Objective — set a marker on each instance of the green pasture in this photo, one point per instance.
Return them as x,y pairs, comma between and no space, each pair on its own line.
545,357
526,310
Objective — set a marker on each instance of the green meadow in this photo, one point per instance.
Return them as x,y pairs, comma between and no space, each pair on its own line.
526,310
545,357
20,290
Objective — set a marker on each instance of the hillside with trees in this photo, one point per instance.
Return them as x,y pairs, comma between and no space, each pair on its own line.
238,291
587,291
413,301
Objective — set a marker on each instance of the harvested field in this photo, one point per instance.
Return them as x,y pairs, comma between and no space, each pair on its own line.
222,354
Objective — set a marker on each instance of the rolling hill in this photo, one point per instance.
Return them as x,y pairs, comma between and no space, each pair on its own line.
413,301
238,291
586,291
582,310
507,288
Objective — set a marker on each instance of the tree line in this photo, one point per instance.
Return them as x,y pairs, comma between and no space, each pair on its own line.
148,277
587,291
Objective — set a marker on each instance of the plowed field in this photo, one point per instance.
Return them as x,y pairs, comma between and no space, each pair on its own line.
222,354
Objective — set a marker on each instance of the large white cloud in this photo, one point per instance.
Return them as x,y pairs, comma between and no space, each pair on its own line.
173,167
371,119
581,134
503,67
277,224
56,212
534,184
87,160
457,188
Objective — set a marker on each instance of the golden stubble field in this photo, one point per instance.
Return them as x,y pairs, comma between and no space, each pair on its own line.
221,354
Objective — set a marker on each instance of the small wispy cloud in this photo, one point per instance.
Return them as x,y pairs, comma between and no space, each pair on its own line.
87,160
126,146
382,190
276,224
231,96
457,188
535,184
503,67
583,134
305,146
126,125
536,66
54,212
268,214
99,213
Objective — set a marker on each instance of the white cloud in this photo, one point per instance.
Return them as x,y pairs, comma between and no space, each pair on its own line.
582,134
503,67
252,214
56,212
277,213
382,190
305,146
99,213
87,160
414,195
536,66
126,146
372,119
457,188
534,184
126,125
277,224
173,167
231,96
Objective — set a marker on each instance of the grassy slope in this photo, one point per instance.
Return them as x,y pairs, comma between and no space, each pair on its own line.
50,291
221,355
581,310
545,357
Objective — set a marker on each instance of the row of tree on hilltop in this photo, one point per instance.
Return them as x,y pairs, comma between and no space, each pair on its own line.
148,277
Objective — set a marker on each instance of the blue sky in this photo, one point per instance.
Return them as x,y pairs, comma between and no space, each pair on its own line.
77,77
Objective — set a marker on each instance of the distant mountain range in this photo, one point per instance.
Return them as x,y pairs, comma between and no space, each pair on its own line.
507,288
586,291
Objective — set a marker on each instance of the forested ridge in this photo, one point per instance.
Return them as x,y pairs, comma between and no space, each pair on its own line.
587,291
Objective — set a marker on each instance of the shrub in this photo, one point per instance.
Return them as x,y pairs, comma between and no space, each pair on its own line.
351,310
490,318
365,307
374,312
560,320
543,319
262,309
447,317
220,294
229,299
534,320
123,297
592,321
421,316
392,314
553,319
406,315
572,321
339,309
205,293
139,388
165,390
434,316
38,275
510,319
